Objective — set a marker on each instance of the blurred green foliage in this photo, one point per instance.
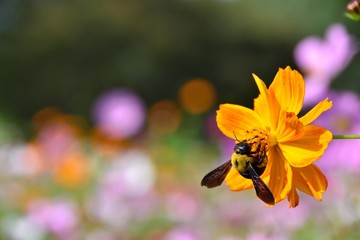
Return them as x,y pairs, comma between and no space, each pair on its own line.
65,53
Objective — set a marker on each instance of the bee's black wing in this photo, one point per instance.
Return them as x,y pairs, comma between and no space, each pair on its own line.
216,176
262,191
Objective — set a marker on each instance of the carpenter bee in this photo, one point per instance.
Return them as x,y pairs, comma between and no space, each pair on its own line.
250,164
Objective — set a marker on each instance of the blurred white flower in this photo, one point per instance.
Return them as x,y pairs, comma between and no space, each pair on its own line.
21,160
132,173
124,190
22,228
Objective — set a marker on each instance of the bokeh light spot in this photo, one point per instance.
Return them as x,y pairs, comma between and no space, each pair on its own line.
164,117
72,171
197,96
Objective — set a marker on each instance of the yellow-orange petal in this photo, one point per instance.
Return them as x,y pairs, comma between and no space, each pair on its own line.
236,182
316,111
293,198
233,118
288,87
308,148
266,105
280,174
310,180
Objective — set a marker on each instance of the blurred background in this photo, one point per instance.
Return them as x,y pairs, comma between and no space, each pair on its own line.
107,116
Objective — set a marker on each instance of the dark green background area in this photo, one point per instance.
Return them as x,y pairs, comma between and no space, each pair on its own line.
66,53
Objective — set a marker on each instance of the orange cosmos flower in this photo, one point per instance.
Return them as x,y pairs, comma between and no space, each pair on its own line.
292,143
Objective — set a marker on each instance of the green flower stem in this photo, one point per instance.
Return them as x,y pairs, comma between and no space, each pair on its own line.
354,136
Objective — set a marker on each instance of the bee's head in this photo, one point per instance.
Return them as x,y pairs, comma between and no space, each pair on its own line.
242,148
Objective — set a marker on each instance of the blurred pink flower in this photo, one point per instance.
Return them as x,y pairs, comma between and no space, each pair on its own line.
182,205
125,191
262,236
57,134
119,113
181,233
289,219
321,60
342,118
56,139
58,217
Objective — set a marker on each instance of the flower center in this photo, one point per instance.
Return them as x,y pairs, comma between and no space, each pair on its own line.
271,139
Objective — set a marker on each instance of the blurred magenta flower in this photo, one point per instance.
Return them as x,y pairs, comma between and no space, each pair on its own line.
58,217
321,60
119,113
342,118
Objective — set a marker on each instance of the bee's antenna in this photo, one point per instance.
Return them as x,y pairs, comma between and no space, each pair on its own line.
235,136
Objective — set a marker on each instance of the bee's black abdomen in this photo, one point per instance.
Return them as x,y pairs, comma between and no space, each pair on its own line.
246,174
